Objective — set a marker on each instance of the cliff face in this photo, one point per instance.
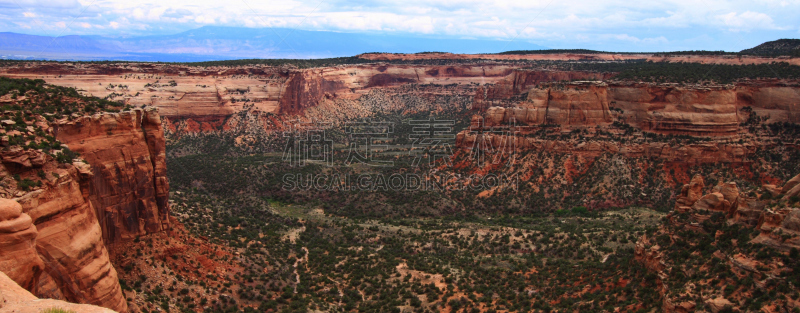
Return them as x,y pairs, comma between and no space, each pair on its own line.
54,233
664,109
521,81
204,99
56,247
306,89
129,187
70,243
696,153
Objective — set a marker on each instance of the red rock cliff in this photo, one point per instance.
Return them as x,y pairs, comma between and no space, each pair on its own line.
54,234
665,109
126,151
51,240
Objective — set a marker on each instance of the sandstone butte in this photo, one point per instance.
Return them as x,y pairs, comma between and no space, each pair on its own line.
54,239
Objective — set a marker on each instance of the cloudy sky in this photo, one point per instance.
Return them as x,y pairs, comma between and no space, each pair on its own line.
619,25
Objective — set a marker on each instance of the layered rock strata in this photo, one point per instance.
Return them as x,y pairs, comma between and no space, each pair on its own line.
129,186
14,298
55,235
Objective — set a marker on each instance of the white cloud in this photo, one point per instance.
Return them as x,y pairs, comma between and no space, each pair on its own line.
589,21
747,21
204,19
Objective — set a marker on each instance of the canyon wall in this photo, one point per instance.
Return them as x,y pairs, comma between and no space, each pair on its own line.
705,59
209,94
56,247
129,187
695,153
206,98
659,108
55,235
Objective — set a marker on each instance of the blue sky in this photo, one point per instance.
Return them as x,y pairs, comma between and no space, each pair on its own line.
604,25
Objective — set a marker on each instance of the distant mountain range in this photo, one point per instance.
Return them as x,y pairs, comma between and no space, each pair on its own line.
221,43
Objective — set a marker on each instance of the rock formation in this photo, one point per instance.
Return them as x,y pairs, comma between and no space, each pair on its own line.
206,98
18,256
665,109
777,225
54,233
695,153
13,298
129,187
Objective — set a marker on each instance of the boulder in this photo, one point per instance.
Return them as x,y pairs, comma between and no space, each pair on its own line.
718,304
791,184
730,192
714,201
748,212
692,191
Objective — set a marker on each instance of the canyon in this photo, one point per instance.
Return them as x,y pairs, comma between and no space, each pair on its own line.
73,226
207,97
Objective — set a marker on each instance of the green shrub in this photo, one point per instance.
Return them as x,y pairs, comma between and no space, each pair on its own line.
26,184
581,210
66,156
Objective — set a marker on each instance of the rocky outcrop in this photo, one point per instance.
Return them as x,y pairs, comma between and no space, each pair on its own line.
54,234
719,304
691,192
206,97
18,256
748,212
778,226
792,187
69,242
306,89
128,187
780,229
14,298
664,109
695,153
649,254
